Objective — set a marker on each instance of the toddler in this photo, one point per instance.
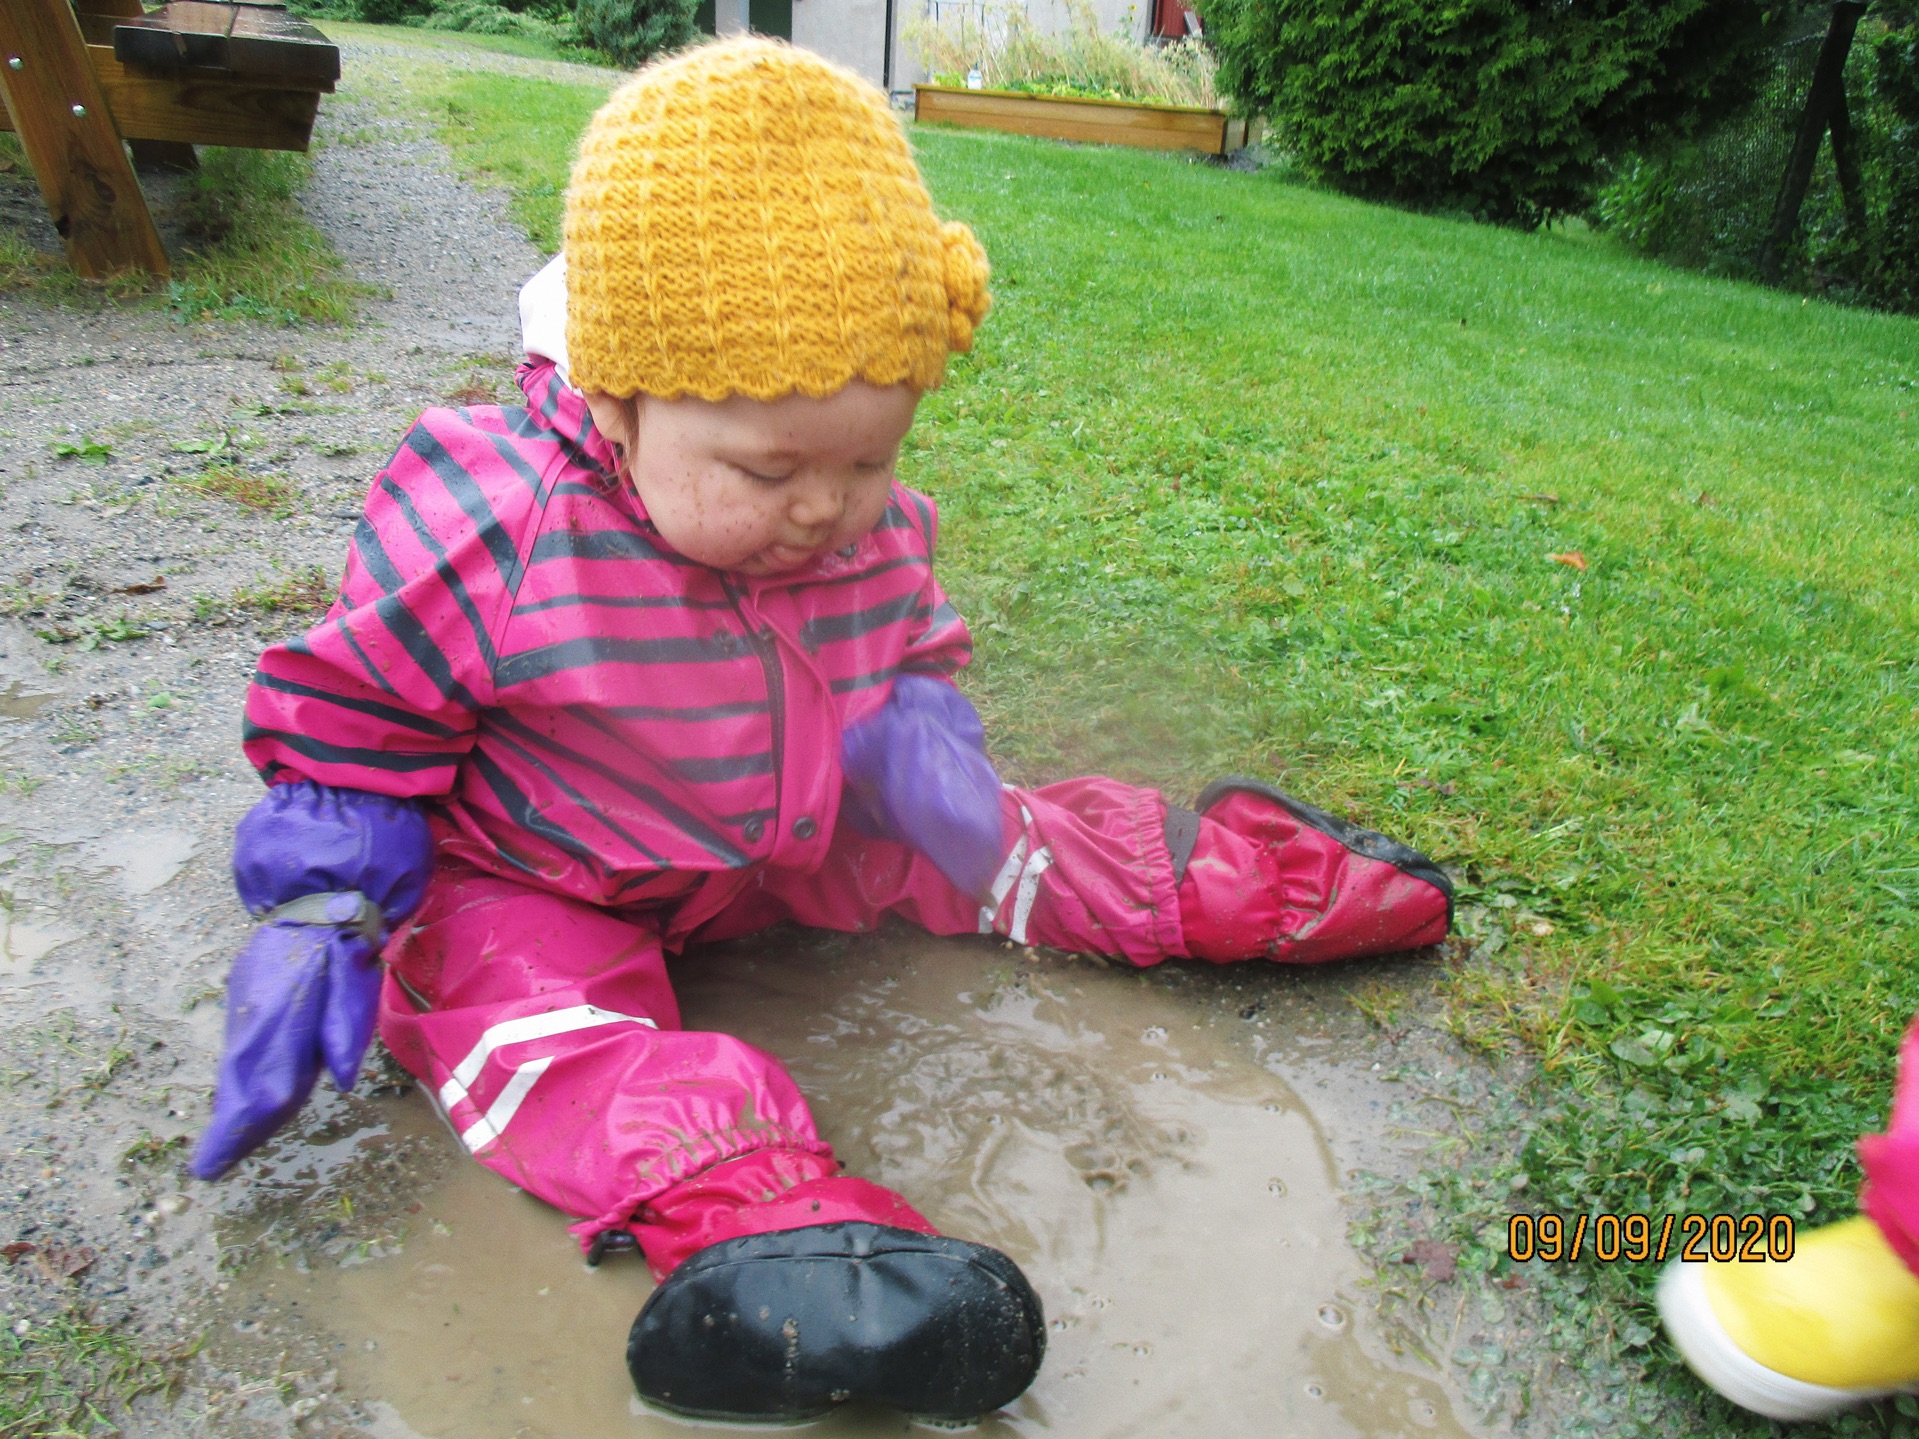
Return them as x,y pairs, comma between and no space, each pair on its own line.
659,658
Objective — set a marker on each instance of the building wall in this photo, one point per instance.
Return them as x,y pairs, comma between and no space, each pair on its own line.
853,32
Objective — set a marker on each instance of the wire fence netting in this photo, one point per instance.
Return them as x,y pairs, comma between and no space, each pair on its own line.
1708,202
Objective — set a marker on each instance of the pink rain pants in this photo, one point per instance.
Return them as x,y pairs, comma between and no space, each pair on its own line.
547,1029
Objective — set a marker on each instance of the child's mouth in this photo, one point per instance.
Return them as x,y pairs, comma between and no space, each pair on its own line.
786,557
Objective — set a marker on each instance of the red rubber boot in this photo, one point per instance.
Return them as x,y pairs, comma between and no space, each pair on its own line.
1270,877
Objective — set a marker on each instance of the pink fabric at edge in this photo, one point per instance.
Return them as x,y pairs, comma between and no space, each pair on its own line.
1890,1194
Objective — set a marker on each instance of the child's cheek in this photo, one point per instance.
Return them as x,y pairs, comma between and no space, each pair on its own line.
870,511
735,521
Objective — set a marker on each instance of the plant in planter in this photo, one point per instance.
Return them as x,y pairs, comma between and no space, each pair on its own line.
1082,61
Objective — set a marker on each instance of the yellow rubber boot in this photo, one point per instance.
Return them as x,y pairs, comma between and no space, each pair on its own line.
1835,1325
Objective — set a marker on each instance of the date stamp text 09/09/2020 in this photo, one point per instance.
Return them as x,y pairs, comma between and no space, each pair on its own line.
1635,1238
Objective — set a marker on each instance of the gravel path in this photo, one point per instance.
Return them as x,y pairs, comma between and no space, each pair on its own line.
124,654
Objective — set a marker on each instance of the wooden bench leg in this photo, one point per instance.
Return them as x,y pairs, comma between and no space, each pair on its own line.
57,109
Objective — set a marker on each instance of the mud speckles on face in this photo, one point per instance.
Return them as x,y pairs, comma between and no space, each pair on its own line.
1012,1105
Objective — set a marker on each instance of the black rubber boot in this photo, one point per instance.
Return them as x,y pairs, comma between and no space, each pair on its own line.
786,1326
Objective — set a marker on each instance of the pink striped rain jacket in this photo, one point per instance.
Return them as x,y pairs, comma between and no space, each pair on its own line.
594,712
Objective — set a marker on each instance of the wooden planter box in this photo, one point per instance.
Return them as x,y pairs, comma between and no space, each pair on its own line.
1096,122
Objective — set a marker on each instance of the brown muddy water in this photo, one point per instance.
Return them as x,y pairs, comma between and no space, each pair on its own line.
1173,1199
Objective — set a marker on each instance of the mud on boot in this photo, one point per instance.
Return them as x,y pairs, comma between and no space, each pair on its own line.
788,1325
1269,876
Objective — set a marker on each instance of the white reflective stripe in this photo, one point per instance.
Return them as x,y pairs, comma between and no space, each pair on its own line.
488,1127
1002,882
1041,861
528,1026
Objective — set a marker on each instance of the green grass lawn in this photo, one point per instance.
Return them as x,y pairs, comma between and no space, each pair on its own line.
1595,579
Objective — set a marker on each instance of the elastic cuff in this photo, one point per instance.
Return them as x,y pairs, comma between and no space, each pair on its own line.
681,1163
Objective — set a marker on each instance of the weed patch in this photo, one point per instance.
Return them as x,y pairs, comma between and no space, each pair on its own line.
252,254
68,1378
95,451
267,493
308,592
152,1149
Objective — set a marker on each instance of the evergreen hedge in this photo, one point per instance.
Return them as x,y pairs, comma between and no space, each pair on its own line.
634,31
1507,109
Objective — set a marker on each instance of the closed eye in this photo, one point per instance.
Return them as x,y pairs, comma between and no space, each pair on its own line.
753,474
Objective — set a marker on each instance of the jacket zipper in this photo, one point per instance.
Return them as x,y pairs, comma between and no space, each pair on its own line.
767,648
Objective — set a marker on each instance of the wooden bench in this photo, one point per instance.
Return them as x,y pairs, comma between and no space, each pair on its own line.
193,72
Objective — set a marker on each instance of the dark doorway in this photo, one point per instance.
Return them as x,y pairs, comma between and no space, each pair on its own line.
767,17
771,17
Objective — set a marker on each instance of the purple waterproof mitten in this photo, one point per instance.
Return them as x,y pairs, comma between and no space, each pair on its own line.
917,773
331,871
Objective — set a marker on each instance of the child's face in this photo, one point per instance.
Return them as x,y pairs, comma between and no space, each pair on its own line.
761,487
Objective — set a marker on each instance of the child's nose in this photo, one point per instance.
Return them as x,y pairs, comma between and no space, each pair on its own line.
817,504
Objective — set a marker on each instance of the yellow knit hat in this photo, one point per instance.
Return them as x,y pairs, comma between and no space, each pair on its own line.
746,218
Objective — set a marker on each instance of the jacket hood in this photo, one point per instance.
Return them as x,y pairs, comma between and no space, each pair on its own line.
543,315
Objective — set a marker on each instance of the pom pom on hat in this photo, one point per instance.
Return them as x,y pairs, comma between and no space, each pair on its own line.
746,218
966,272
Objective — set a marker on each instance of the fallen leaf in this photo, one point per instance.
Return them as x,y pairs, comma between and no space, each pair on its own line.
1446,789
1440,1260
1706,499
17,1251
1513,1281
58,1262
1543,498
1574,558
472,395
151,587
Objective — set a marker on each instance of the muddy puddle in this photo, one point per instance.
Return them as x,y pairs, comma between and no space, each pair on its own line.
21,700
1172,1199
146,858
22,942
